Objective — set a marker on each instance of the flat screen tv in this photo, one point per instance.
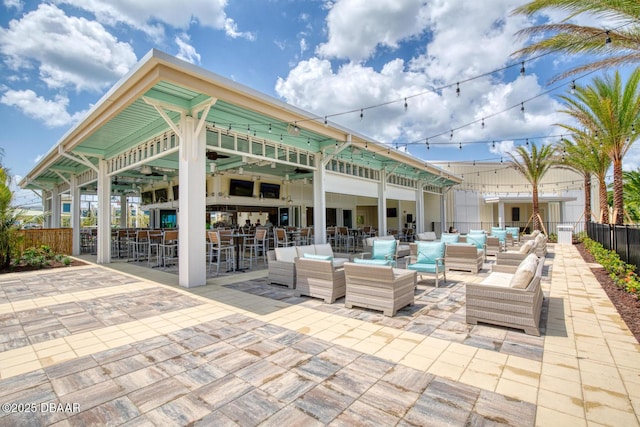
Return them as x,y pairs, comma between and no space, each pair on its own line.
161,195
238,187
147,197
270,191
392,212
175,192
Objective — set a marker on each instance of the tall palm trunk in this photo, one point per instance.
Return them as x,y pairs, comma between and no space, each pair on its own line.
587,200
604,206
536,209
618,201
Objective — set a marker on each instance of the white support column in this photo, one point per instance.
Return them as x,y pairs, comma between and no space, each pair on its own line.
55,208
419,208
443,210
46,208
501,214
75,215
382,204
124,211
319,203
192,204
104,214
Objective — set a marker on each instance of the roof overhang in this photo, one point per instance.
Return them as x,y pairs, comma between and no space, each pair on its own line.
134,113
526,198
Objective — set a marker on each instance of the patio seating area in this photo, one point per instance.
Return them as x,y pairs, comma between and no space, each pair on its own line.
126,344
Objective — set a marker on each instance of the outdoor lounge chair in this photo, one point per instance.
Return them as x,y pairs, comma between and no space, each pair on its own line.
463,257
318,278
516,257
515,234
378,287
493,245
509,299
381,250
428,258
427,236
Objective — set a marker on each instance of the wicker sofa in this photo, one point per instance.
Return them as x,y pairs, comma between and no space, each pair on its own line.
319,279
511,297
377,287
516,257
463,257
281,261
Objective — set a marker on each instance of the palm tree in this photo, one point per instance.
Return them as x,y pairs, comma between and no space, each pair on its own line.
609,112
583,154
632,193
620,44
533,166
8,219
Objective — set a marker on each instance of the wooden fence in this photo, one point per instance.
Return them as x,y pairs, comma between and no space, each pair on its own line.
59,239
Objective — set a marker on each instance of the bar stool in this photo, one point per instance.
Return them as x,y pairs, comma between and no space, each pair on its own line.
220,248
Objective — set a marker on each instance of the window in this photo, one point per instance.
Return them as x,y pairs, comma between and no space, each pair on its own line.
515,214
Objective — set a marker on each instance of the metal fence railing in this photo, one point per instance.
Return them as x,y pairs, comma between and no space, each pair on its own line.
623,239
525,227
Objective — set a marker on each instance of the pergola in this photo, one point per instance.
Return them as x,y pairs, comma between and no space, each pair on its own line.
171,120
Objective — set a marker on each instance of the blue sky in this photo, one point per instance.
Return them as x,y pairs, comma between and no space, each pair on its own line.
59,57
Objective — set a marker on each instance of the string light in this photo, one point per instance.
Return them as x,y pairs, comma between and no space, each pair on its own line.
427,142
522,107
325,120
361,113
269,127
406,106
460,146
522,70
608,39
458,89
482,124
573,87
451,136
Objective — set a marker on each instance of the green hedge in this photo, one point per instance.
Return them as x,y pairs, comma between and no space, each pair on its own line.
621,273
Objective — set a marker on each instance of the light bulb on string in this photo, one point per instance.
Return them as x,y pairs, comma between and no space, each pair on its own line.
451,135
269,127
406,106
493,144
522,107
633,129
460,146
573,87
527,142
325,120
522,70
482,123
608,39
427,142
361,113
458,89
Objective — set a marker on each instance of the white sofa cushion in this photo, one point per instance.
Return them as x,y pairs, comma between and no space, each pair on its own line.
525,272
527,246
307,249
498,279
287,254
323,249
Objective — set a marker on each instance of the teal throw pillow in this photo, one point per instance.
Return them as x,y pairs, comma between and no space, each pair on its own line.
318,257
383,249
477,239
450,237
500,234
429,251
381,262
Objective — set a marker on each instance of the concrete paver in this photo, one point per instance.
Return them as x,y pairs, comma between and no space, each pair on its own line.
123,347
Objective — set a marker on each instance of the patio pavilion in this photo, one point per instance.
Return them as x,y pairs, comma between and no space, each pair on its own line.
187,140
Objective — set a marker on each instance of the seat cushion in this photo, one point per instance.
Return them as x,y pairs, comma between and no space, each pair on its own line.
339,262
318,257
287,254
476,232
423,267
372,261
429,251
384,249
527,246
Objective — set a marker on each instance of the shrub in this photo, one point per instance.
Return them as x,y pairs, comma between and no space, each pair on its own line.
40,256
621,273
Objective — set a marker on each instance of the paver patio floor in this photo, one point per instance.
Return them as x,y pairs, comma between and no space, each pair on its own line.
112,347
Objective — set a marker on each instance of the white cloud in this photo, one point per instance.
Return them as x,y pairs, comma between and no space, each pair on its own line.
185,50
466,41
18,5
357,27
52,112
68,51
146,15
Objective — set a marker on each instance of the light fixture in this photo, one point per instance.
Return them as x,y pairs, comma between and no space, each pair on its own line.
240,170
522,70
146,170
457,89
608,39
212,167
273,165
573,87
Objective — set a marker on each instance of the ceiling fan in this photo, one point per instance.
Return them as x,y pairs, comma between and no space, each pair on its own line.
148,171
214,155
301,170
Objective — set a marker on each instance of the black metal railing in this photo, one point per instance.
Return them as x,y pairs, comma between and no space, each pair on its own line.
623,239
